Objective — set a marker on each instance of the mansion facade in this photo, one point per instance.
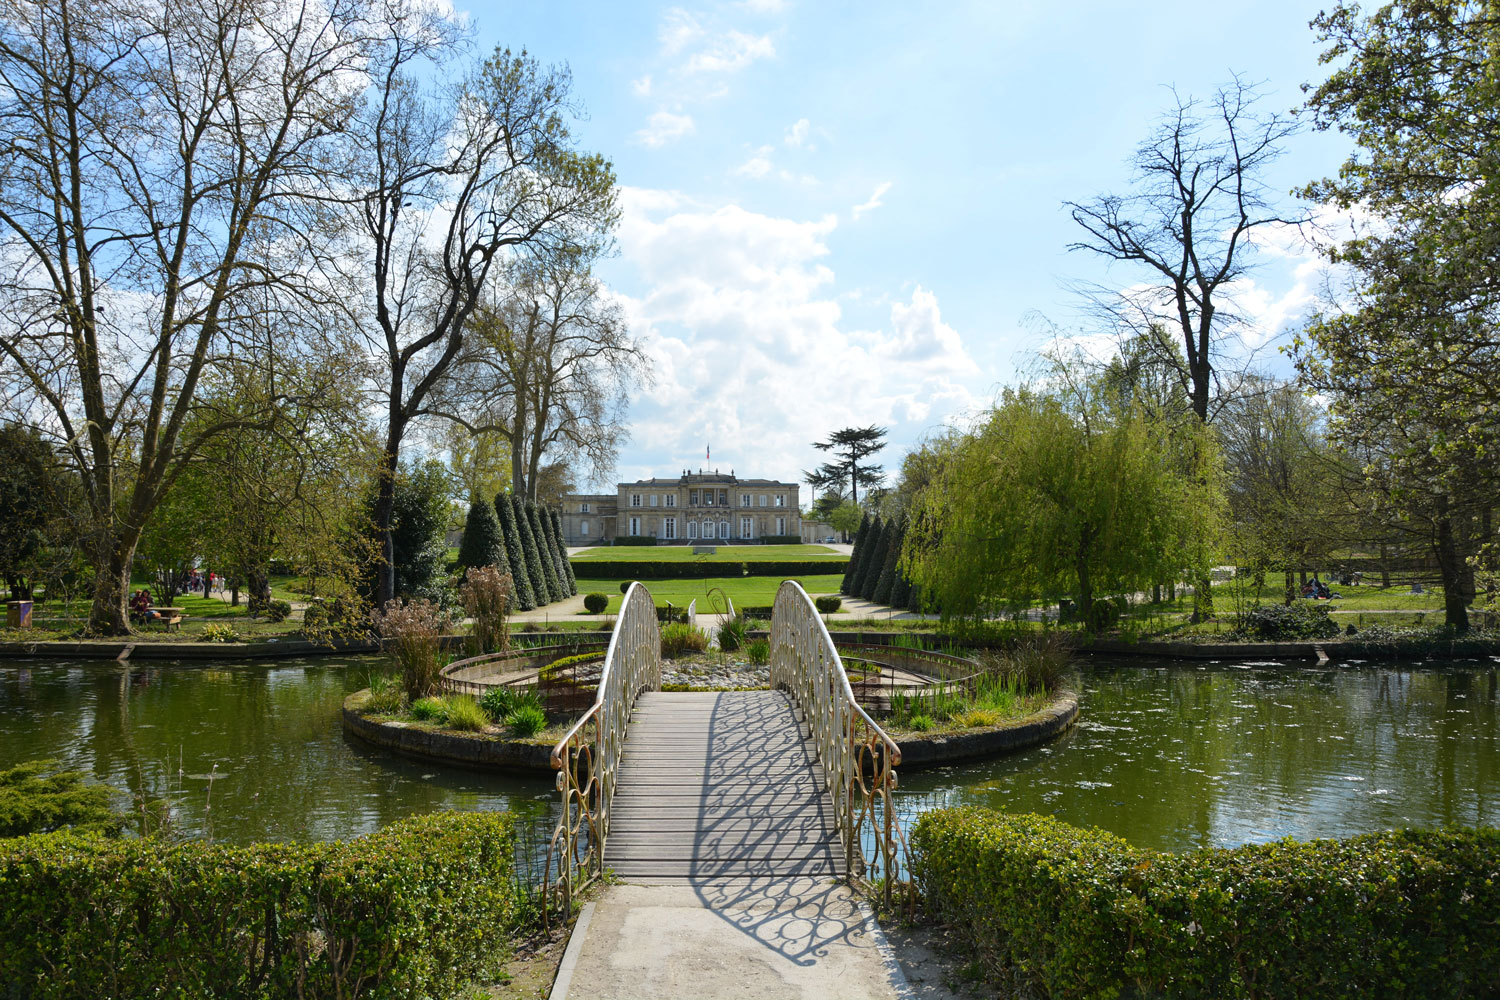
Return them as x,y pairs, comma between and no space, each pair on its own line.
695,507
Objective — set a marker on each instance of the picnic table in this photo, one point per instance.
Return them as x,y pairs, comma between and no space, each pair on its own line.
168,617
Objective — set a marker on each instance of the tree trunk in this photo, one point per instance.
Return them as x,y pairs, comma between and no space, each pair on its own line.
1450,564
1203,598
385,505
257,586
1085,586
110,614
1385,568
1291,587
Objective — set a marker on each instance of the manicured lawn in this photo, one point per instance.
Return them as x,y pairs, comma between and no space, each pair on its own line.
725,553
56,619
744,591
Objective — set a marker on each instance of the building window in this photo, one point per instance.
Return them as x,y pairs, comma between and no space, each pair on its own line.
653,499
708,498
670,527
583,529
723,498
671,500
692,529
708,529
692,498
723,529
781,526
781,499
635,499
635,526
744,527
762,499
744,499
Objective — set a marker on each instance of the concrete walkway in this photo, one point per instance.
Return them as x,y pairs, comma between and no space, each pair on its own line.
798,939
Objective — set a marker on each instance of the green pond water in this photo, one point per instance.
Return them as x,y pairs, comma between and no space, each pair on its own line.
1171,756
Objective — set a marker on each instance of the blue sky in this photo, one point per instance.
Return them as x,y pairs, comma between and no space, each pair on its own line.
851,213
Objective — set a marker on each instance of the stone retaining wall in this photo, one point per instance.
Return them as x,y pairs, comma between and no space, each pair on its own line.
951,748
486,752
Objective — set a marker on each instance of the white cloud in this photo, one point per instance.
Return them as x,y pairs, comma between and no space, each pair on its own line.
664,127
764,6
678,30
751,346
731,52
797,134
757,166
874,201
642,87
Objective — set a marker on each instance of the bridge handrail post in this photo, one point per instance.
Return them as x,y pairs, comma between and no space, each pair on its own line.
858,758
587,758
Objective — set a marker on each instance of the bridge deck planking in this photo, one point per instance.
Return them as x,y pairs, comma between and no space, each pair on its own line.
719,786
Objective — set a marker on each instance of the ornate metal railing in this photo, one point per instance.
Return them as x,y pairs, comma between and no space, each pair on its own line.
588,757
859,760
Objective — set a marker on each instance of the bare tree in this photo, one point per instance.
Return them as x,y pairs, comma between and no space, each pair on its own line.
1199,197
158,171
454,177
553,368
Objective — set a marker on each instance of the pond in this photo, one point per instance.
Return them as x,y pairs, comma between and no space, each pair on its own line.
1174,755
246,752
1167,755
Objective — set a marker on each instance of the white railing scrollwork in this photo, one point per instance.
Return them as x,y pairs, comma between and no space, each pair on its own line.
859,760
588,757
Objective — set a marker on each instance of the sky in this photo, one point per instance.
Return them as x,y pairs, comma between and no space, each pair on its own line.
844,214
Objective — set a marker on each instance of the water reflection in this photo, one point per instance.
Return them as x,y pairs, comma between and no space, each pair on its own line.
1177,756
244,753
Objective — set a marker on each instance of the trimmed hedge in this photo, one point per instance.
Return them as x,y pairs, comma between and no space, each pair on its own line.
635,539
780,540
417,909
1065,912
632,569
595,603
1300,620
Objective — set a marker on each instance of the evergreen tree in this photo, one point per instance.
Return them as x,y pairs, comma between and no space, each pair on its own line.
532,549
483,542
900,585
516,552
547,550
851,572
887,580
562,552
869,568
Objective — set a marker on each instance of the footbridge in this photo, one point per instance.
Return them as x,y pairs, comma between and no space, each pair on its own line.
688,788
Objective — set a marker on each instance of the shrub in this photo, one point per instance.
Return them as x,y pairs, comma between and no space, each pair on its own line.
1059,911
979,718
314,617
1300,620
429,709
625,585
635,540
731,635
486,595
759,651
1033,664
36,797
921,722
781,539
386,697
595,603
275,611
527,720
465,715
216,632
419,908
415,629
498,702
678,640
827,604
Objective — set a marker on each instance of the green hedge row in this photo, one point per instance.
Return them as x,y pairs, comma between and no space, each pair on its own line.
415,910
1064,912
635,569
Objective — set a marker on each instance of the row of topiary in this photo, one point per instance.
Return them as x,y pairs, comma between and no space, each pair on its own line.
523,539
638,569
1052,910
420,908
874,572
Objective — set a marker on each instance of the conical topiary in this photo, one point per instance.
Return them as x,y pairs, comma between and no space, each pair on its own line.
562,553
869,567
901,586
851,571
547,550
533,552
887,579
483,542
515,550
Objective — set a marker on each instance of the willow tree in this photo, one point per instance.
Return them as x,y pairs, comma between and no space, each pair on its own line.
1056,493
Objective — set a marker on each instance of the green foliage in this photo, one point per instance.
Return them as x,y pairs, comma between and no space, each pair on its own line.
1065,493
483,542
33,491
419,527
679,640
429,709
35,797
636,540
545,553
499,702
314,617
1300,620
595,603
218,632
465,715
417,909
732,635
780,539
1034,663
1054,910
856,558
386,696
625,586
414,632
759,651
276,611
885,585
618,569
869,567
532,554
515,552
486,594
827,604
526,720
564,562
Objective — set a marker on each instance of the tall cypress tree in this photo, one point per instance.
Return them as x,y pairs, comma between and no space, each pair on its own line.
533,547
887,579
562,552
856,555
547,549
483,542
901,586
869,569
516,552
